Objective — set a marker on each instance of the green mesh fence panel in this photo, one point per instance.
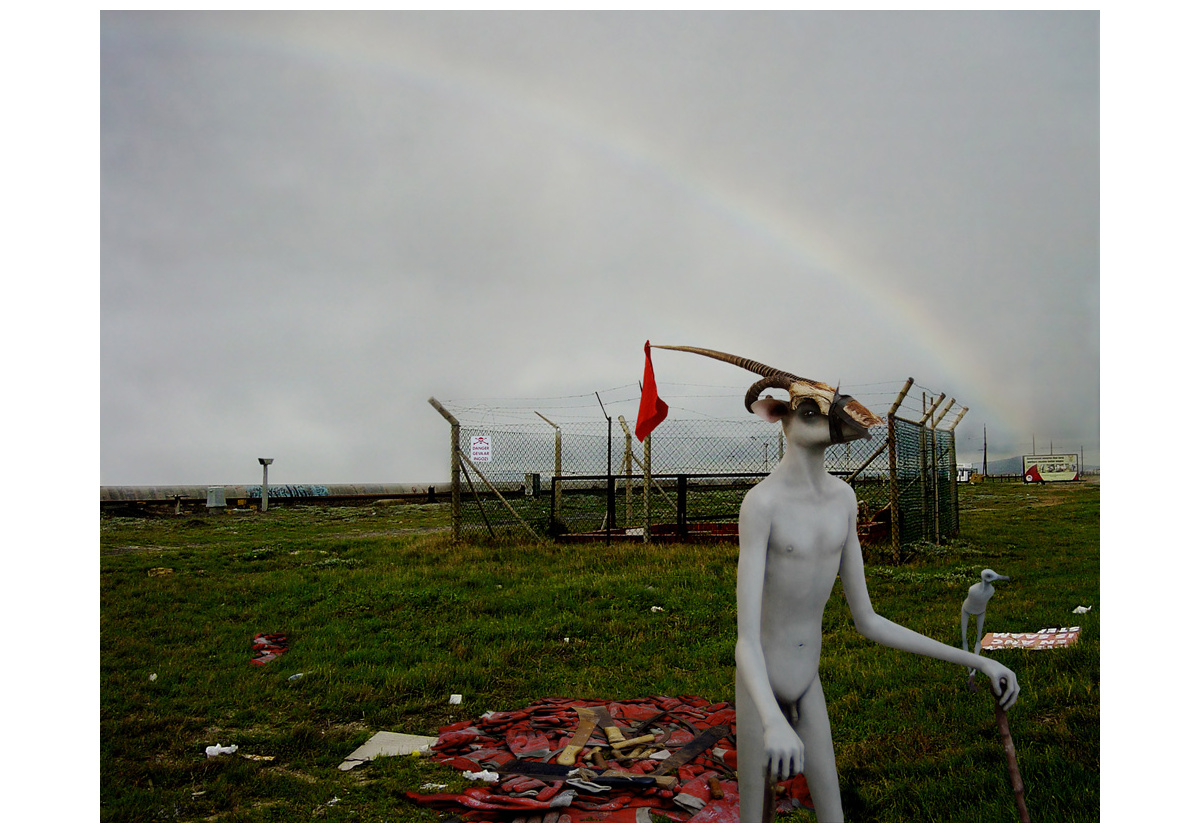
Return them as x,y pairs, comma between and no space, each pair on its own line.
927,492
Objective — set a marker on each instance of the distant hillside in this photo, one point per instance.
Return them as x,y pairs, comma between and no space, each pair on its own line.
1007,466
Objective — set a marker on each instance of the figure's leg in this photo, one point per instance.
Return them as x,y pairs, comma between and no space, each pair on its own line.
967,647
978,632
751,756
820,765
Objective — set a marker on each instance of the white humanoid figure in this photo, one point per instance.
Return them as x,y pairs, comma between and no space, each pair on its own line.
798,533
976,605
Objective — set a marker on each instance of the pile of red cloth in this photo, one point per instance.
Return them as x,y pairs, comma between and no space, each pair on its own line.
705,790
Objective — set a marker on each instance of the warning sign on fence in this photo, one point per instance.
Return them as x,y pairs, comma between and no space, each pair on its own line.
481,449
1046,638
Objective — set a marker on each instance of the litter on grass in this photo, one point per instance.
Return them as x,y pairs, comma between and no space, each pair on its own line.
268,647
1046,638
388,744
481,775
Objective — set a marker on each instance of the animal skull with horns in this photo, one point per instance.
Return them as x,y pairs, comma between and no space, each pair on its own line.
841,409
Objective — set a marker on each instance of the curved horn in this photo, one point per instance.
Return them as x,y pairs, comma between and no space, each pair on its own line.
771,377
780,380
749,364
840,407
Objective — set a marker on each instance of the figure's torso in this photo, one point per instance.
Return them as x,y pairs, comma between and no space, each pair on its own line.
808,534
977,598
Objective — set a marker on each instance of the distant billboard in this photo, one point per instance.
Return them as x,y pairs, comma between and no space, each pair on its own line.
1046,468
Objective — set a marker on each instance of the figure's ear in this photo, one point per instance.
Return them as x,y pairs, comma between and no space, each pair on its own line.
770,409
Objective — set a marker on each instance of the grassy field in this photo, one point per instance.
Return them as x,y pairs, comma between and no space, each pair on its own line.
387,618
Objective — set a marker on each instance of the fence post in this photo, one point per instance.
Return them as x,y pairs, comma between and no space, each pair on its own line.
557,466
646,490
455,466
892,474
958,420
627,468
681,506
953,467
927,437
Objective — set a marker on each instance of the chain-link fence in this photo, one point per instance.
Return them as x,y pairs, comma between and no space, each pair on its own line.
589,481
925,486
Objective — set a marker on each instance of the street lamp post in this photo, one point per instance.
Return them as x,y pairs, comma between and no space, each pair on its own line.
265,463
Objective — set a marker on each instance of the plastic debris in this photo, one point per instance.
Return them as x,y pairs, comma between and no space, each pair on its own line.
153,677
481,775
1079,609
455,699
655,608
388,744
214,750
296,676
268,647
691,803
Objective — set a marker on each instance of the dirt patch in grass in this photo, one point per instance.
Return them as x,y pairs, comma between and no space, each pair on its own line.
284,770
1050,500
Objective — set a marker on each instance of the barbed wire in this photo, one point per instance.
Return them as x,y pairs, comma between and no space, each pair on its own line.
586,407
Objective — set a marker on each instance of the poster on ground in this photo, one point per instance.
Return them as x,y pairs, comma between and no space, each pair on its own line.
1046,638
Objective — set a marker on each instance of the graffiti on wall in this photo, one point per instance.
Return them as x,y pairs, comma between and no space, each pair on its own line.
290,491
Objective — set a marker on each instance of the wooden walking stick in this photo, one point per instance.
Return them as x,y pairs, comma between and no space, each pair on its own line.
1014,774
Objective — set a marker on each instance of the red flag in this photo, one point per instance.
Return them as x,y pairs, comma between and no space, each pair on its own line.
652,410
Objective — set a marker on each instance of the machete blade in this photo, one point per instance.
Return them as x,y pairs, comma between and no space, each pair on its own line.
692,749
605,721
587,724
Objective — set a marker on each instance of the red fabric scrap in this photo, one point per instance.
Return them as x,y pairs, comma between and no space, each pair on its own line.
268,647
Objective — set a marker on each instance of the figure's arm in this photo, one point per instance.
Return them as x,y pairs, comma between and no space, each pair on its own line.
885,632
783,748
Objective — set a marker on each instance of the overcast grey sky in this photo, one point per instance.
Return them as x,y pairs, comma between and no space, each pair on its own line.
311,223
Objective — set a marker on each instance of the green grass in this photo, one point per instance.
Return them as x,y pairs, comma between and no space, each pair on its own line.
387,618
